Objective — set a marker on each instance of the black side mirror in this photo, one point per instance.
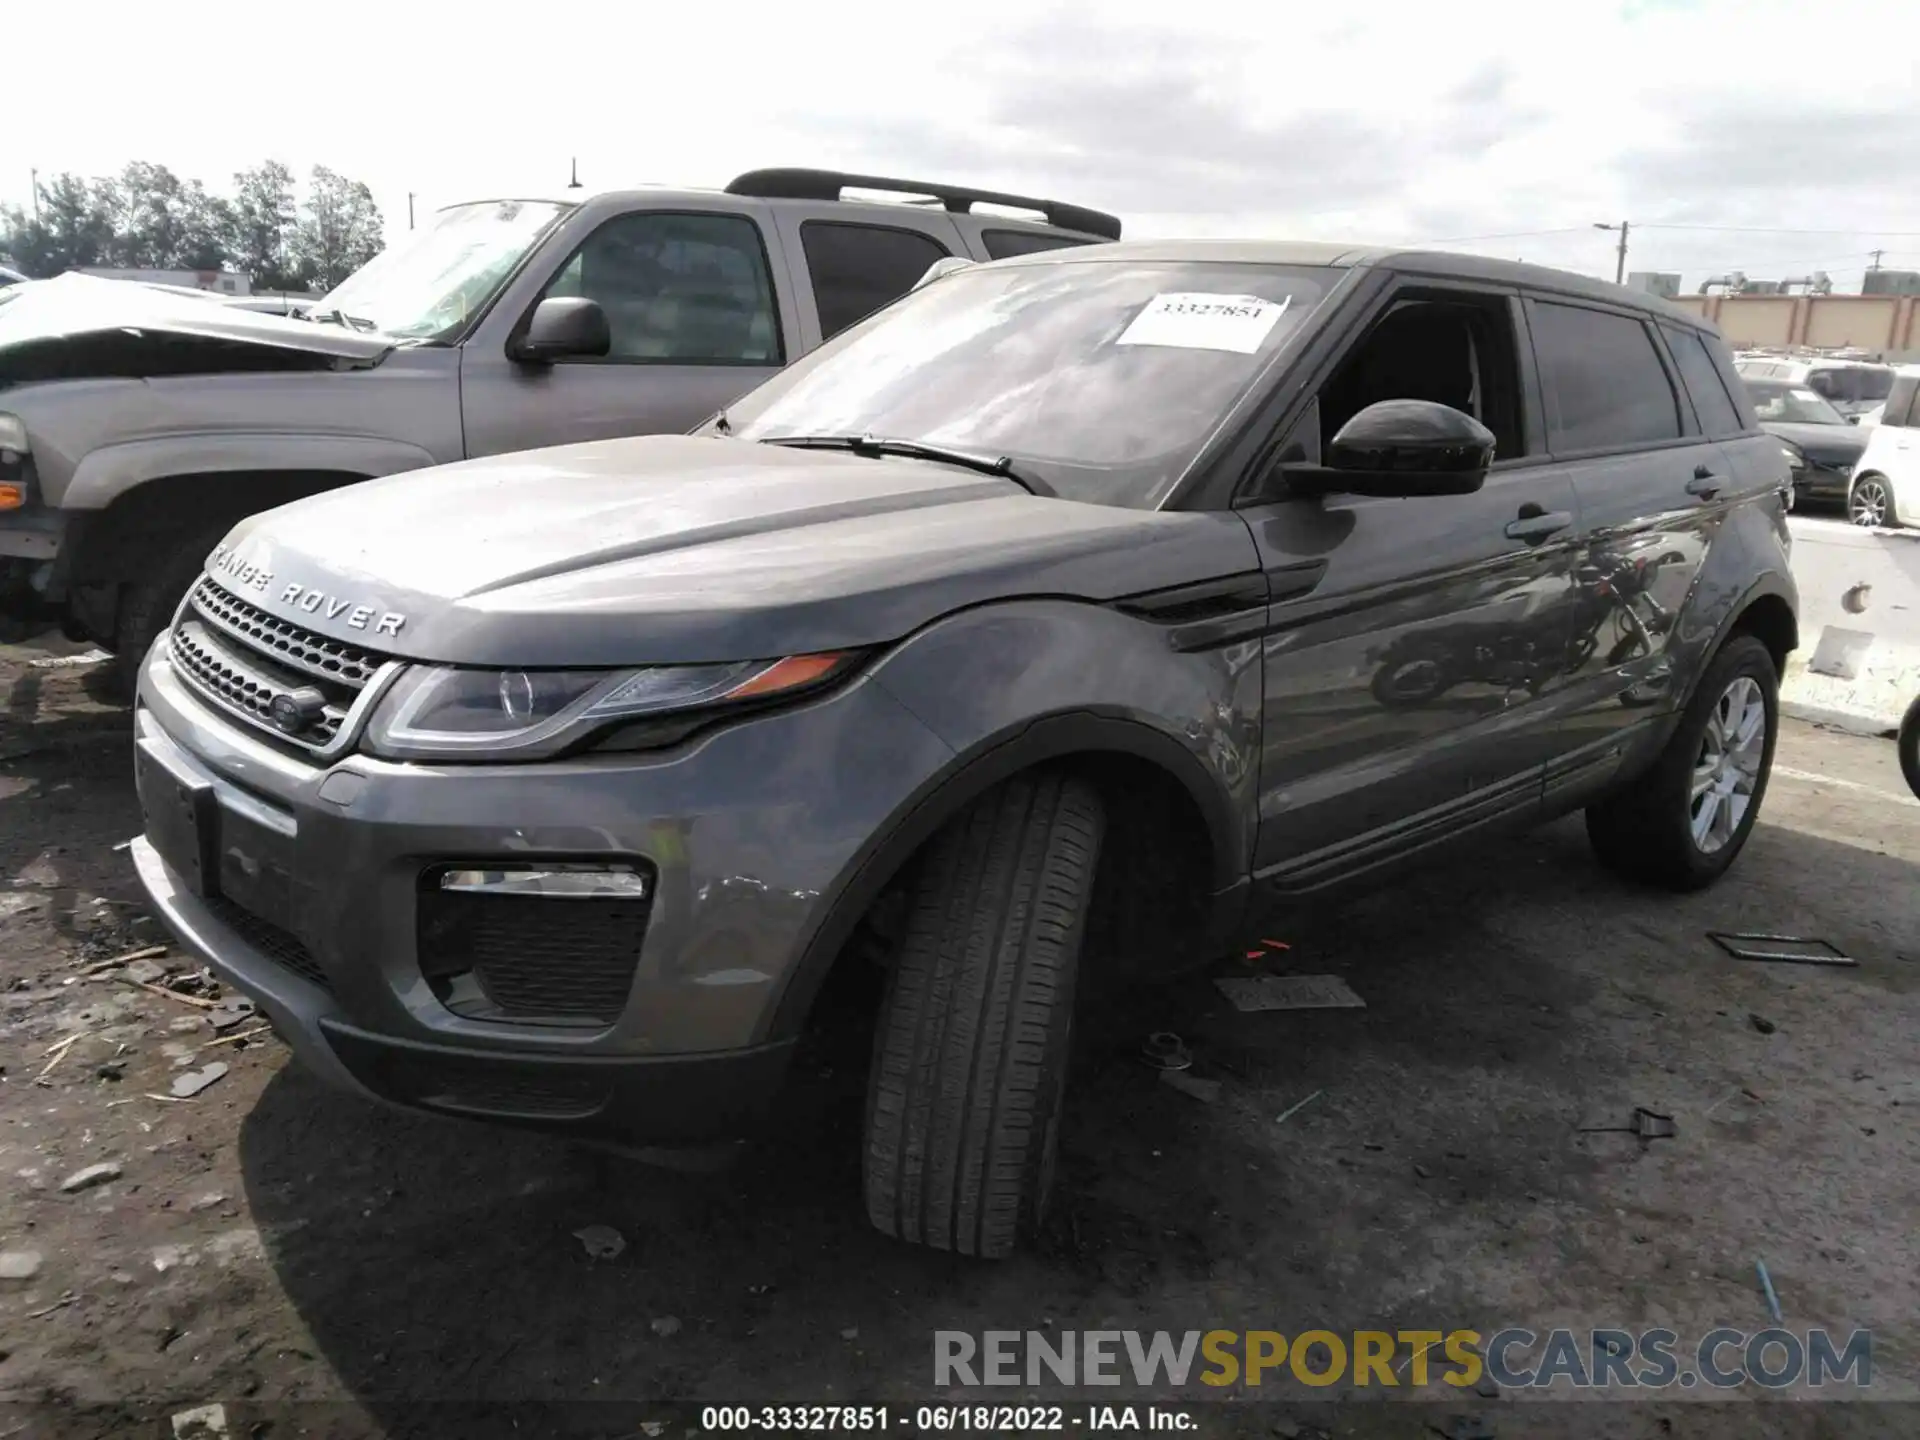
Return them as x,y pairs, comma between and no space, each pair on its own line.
1400,448
564,327
1853,419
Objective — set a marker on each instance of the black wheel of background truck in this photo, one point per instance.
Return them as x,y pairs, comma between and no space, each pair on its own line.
147,603
970,1053
1682,823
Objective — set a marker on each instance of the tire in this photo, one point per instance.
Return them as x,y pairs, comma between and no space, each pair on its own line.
1870,501
970,1052
147,603
1910,746
1647,830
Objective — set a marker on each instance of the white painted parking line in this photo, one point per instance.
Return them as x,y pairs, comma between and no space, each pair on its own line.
1787,772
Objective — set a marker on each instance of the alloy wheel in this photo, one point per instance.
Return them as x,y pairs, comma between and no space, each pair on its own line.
1868,502
1728,768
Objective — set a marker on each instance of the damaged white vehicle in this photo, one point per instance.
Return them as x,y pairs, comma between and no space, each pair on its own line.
139,424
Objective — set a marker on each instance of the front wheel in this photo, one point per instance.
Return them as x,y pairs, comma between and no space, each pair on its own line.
1910,746
1870,501
970,1057
147,603
1682,823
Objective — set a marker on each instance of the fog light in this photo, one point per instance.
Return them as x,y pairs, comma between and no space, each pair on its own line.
554,882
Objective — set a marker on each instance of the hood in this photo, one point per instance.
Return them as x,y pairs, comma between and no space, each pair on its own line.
684,549
79,325
1823,444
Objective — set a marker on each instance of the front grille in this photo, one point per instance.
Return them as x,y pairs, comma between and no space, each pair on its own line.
536,957
281,946
240,657
490,1088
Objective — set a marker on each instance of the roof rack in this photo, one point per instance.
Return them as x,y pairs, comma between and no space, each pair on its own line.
801,184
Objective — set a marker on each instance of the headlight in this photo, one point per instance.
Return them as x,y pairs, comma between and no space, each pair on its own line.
13,434
437,713
1795,456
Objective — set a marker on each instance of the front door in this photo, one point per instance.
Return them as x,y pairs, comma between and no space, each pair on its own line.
696,323
1414,646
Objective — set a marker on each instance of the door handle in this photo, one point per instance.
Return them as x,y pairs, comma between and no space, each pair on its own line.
1704,483
1535,525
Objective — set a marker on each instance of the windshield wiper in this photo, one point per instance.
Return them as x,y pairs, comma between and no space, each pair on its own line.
1002,466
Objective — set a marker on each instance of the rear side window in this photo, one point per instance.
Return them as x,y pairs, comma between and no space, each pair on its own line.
857,269
1716,409
1002,244
1875,385
1604,383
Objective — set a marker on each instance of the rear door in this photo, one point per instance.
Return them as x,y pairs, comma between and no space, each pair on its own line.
1652,491
696,319
847,266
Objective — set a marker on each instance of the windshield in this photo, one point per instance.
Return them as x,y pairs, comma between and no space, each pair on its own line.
1791,404
432,284
1102,378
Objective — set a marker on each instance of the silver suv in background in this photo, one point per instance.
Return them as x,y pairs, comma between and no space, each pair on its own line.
137,426
1853,387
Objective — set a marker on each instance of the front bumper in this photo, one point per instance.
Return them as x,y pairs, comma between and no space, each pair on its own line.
32,575
1821,482
301,886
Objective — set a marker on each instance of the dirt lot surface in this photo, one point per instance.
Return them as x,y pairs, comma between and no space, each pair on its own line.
323,1267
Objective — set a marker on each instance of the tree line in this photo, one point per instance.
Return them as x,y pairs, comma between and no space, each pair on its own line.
148,218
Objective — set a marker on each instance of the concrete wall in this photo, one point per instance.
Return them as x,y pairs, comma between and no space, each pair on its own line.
1884,323
1859,658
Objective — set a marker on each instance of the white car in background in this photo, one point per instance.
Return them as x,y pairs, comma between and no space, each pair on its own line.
1885,486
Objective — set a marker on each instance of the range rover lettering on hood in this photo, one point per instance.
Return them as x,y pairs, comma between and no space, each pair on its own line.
359,616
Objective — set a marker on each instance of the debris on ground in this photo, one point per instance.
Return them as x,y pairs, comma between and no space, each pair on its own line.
69,662
144,954
233,1011
19,1264
1288,992
171,992
1766,1285
1463,1427
110,1069
664,1326
241,1039
62,1303
93,1175
1646,1125
1164,1050
1206,1091
602,1242
1761,1023
186,1086
207,1201
1296,1108
1783,949
203,1422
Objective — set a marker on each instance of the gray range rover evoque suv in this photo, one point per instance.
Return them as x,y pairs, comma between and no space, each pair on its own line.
1034,626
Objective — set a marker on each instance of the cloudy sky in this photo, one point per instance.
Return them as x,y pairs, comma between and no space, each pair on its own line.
1776,138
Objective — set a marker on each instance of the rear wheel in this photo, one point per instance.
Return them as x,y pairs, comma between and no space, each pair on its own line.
1910,746
1682,823
970,1056
1870,501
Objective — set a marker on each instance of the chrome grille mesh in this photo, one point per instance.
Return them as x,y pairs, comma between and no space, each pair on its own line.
239,657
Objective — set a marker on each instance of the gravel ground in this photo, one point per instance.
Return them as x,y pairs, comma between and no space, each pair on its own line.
323,1267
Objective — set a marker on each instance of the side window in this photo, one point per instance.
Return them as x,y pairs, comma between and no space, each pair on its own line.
1604,383
679,289
1452,350
1903,398
1827,384
1004,243
857,269
1875,385
1716,409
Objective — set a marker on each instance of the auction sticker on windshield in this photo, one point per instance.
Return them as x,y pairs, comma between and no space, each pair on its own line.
1191,320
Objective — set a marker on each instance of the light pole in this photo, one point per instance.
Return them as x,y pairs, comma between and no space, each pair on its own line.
1620,265
409,209
574,184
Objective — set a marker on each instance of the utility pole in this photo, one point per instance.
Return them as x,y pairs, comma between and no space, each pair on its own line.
1876,259
409,209
36,193
574,184
1620,265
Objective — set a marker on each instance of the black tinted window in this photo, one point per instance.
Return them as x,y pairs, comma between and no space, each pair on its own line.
679,289
1604,383
1711,403
858,268
1003,243
1875,384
